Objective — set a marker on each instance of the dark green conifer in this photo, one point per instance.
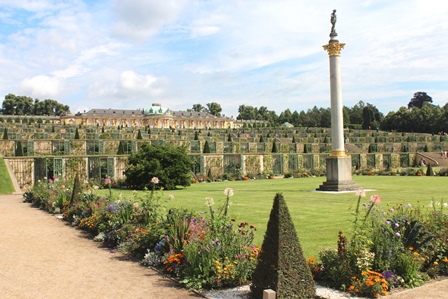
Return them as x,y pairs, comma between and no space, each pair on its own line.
261,138
77,190
139,135
206,148
196,135
293,139
5,134
429,171
120,148
76,134
19,149
274,147
282,266
229,138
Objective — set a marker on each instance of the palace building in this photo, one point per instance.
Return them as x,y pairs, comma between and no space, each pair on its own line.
155,116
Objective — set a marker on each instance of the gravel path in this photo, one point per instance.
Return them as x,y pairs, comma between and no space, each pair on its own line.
40,257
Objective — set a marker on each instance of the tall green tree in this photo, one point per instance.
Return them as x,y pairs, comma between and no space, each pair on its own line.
198,107
214,108
419,99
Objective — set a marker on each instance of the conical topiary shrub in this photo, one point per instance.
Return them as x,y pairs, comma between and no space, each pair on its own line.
281,264
120,148
429,171
77,190
19,149
206,148
274,147
5,134
76,134
139,135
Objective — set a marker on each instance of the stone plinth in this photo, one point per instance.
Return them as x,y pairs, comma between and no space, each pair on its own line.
339,175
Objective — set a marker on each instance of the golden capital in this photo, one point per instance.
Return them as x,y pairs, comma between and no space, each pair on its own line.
334,48
338,153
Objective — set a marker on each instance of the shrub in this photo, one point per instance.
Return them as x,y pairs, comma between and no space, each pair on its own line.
206,148
281,264
169,163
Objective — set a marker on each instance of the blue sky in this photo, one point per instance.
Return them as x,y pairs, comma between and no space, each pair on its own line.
130,54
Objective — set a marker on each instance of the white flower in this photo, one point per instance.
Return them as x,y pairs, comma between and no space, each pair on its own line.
155,180
209,201
228,192
361,192
170,196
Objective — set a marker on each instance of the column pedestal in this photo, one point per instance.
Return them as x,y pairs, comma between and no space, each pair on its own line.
339,175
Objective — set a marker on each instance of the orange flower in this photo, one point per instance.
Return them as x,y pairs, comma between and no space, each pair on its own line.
350,288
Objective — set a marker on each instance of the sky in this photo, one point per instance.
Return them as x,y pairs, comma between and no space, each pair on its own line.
129,54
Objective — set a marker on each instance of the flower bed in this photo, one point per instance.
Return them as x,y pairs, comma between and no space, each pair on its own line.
400,246
387,247
203,250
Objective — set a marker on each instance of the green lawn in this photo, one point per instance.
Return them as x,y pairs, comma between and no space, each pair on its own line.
6,186
317,216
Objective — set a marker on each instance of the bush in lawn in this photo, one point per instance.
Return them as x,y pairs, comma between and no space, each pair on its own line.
429,171
169,163
281,264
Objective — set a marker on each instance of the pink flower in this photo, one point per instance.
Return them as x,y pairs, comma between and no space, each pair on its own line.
107,181
375,198
361,192
155,180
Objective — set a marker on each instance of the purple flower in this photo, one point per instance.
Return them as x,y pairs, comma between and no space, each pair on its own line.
397,234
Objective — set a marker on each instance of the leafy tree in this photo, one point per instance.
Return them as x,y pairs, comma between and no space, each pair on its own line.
170,164
198,107
356,116
214,108
372,117
282,266
419,99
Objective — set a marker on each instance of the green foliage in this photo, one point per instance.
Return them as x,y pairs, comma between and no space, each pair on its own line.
120,150
206,149
196,135
76,191
281,264
169,163
76,133
274,147
19,149
5,134
429,170
139,135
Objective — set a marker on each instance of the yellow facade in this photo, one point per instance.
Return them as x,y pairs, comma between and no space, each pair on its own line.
155,117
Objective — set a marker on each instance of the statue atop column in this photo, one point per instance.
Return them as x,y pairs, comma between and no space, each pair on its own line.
333,23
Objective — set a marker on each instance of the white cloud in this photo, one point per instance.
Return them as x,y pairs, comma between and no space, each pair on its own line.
42,87
140,19
128,86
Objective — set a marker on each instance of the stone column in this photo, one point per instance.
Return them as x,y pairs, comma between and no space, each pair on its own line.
338,164
337,126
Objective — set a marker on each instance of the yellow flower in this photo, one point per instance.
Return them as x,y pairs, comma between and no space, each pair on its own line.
445,259
436,263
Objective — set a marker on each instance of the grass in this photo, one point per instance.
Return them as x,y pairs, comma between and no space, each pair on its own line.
317,216
6,186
